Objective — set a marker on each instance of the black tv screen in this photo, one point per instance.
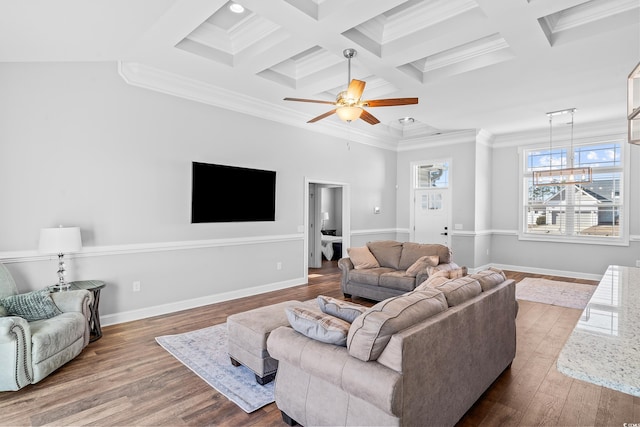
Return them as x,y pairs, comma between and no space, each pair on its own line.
223,193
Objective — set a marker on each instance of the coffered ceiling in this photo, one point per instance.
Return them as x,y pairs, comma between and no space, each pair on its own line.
497,65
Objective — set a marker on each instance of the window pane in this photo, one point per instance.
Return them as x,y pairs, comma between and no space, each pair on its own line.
607,223
605,187
595,156
546,159
433,175
588,209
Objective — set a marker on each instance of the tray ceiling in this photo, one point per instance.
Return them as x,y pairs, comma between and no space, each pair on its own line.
497,65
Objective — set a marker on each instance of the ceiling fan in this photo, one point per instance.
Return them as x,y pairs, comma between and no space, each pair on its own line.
348,104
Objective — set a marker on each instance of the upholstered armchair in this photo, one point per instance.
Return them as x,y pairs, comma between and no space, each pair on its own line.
39,331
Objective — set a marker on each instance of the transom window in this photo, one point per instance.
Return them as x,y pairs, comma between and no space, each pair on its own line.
585,211
435,175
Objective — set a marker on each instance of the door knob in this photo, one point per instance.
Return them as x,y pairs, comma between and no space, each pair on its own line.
444,234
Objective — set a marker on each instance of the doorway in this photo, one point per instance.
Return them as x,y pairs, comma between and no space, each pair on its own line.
327,225
431,202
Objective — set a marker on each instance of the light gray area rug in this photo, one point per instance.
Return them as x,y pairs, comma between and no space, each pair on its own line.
204,351
554,292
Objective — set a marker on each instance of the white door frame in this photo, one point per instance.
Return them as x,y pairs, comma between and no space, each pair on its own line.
412,201
346,217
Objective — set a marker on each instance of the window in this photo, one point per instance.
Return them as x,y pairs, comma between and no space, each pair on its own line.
434,175
575,212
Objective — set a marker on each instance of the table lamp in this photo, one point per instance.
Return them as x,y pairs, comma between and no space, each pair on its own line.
325,217
60,240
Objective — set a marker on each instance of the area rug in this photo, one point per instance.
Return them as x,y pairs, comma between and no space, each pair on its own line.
204,351
554,292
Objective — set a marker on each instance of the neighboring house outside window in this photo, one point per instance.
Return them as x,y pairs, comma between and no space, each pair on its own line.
585,212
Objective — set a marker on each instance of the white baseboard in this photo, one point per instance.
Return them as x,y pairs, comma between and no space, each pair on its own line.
546,271
158,310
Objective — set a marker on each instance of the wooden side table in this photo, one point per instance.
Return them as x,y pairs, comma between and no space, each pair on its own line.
94,286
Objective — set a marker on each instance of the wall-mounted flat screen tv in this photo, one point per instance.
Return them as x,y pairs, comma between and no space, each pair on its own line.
223,193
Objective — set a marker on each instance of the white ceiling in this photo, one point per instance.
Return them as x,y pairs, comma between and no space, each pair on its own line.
497,65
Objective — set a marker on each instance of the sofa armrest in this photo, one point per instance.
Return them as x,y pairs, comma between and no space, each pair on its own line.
346,266
369,381
69,301
15,353
76,301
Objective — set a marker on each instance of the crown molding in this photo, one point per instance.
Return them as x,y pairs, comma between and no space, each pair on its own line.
448,138
583,134
152,78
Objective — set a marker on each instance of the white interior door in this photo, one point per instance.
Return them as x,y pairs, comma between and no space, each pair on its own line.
315,257
431,216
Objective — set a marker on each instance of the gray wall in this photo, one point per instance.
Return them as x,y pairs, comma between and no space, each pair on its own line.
80,147
461,149
485,183
570,259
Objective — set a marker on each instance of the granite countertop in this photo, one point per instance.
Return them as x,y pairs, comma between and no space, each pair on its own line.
604,347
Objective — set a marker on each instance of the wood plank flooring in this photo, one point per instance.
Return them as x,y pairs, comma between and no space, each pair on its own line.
126,379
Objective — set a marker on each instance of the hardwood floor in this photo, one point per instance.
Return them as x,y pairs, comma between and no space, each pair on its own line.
125,378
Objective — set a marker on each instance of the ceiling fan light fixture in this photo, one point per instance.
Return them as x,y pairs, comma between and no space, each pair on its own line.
349,114
236,8
406,120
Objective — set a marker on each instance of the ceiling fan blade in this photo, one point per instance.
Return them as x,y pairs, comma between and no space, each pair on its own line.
322,116
367,117
356,87
389,102
310,100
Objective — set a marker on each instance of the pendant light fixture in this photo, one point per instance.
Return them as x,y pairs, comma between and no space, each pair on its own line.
562,176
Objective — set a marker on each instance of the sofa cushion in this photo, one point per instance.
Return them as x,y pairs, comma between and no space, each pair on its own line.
397,280
387,252
459,290
370,333
454,270
457,272
344,310
361,257
369,276
318,326
436,279
421,264
31,306
51,337
490,278
411,252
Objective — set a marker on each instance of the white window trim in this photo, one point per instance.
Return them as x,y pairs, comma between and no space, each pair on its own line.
622,240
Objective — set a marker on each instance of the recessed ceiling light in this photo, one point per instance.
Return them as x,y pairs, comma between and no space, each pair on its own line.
236,8
406,120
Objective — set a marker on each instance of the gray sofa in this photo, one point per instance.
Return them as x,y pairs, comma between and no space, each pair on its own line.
390,277
436,351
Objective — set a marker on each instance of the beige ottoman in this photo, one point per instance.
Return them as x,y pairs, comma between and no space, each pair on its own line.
248,333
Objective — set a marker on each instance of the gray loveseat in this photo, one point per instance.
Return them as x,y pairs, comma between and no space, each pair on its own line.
419,359
389,277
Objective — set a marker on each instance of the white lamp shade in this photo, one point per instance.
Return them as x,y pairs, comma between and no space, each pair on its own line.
348,114
60,240
325,215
